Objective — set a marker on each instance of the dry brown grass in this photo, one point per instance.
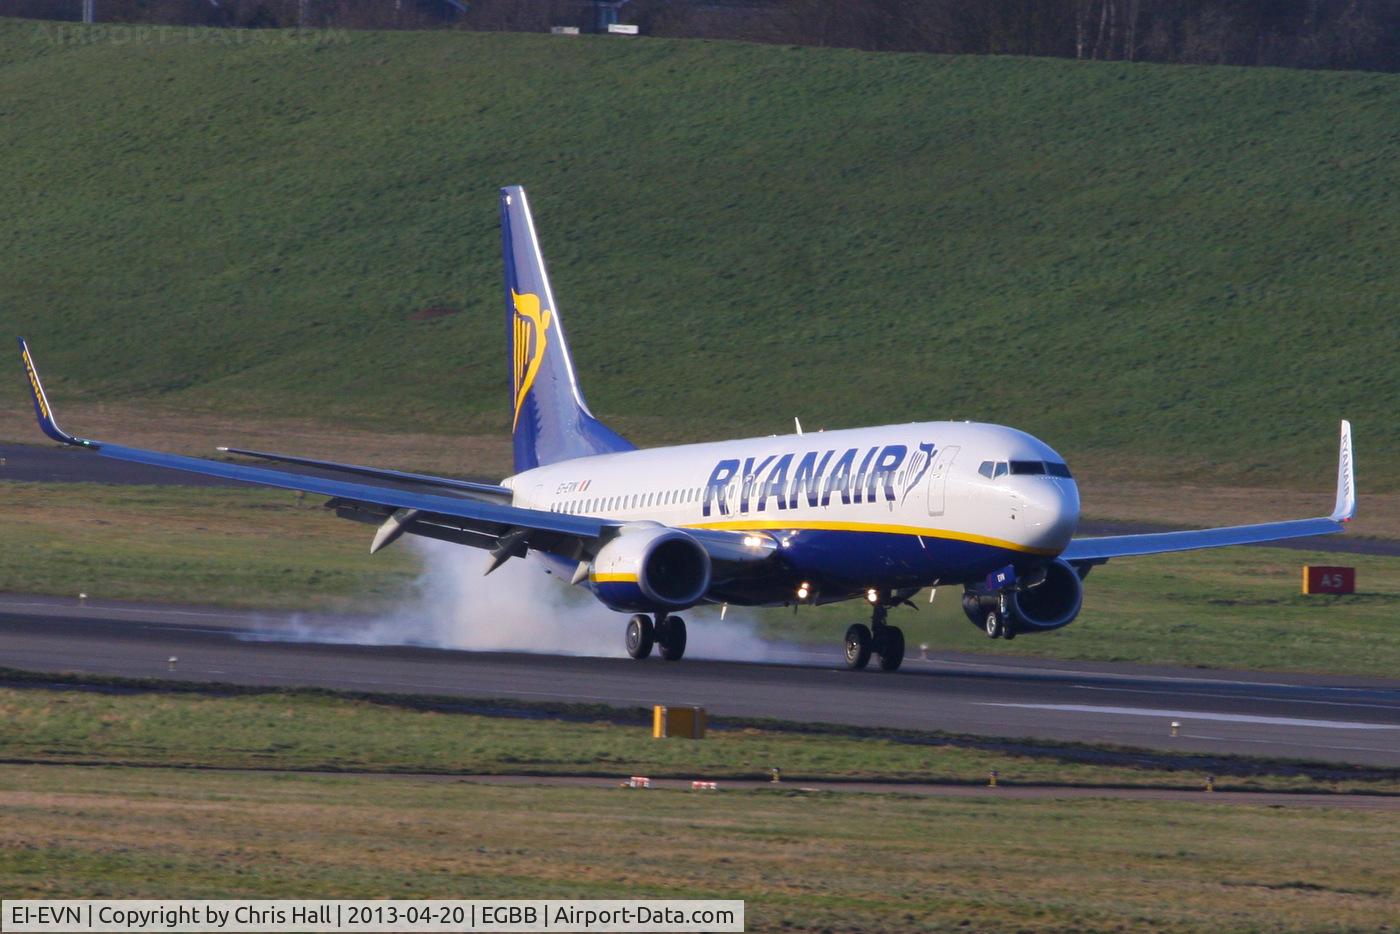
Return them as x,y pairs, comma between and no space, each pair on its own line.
801,862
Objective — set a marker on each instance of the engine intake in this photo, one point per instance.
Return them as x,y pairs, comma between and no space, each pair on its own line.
1051,604
651,567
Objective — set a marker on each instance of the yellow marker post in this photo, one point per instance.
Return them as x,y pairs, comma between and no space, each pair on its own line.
683,722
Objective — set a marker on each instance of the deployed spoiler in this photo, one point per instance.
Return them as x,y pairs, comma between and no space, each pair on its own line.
395,476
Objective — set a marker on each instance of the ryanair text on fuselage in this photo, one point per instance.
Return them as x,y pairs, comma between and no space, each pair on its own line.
781,479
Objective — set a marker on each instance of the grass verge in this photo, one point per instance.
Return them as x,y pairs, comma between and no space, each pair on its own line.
800,862
226,547
114,721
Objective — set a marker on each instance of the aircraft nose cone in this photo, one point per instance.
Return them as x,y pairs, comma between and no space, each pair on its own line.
1051,510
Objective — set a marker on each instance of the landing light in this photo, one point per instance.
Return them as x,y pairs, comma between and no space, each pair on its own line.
752,541
803,590
872,595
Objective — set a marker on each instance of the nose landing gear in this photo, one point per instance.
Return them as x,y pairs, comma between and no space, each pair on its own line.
879,638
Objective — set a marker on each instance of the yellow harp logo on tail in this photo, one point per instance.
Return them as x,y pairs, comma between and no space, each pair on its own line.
529,340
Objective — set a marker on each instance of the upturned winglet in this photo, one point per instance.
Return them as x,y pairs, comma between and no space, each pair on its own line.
41,404
1345,510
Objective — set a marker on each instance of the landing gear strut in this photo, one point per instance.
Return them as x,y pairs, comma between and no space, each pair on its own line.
998,622
667,634
879,638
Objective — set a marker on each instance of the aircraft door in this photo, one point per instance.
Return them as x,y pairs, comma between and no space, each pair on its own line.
938,479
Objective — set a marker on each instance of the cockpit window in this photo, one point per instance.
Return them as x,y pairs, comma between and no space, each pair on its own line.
994,469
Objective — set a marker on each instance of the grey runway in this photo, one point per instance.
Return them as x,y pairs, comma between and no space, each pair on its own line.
1331,719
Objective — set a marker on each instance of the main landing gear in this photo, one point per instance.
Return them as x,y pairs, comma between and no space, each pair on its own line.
667,634
879,638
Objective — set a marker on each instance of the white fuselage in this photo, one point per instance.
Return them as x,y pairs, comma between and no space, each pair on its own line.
944,483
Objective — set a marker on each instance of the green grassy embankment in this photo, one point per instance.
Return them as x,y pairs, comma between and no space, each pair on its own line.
1163,271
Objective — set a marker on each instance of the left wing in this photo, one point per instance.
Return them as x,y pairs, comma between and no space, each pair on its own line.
470,521
1098,550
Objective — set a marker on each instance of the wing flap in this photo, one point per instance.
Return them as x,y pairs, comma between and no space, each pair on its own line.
489,517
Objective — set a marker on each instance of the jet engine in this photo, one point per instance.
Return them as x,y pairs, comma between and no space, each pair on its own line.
1050,603
650,567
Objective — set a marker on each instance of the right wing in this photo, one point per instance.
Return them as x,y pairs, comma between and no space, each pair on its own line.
1099,550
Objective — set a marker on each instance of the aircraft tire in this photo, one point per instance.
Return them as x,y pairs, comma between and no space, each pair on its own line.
640,636
670,638
857,646
993,624
892,649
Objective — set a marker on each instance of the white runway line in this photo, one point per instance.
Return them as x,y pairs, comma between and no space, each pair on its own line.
1201,715
1276,742
1248,697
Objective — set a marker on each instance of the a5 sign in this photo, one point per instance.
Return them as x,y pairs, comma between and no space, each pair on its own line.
1321,578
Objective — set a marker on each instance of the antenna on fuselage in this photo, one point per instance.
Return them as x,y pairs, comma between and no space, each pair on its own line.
798,422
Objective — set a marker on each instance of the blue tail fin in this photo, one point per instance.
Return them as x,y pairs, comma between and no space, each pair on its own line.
550,421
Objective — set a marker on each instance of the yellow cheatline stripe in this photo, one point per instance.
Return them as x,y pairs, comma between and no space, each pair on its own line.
614,578
822,525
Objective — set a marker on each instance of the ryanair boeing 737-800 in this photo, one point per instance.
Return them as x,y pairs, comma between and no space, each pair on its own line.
872,514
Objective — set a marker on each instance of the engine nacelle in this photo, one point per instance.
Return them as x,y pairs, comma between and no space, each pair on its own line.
1050,604
650,567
